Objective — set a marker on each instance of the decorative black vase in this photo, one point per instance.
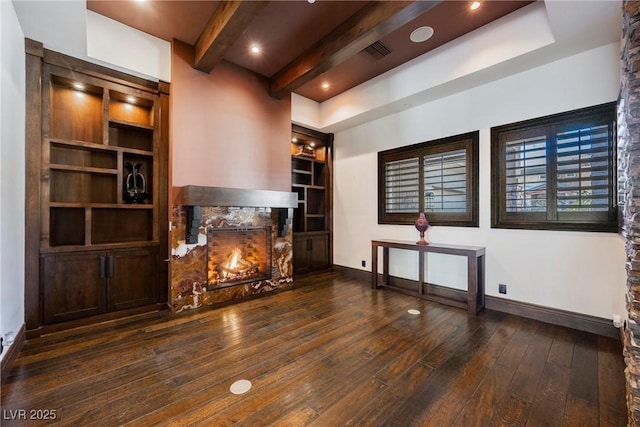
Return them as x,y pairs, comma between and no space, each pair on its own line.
135,185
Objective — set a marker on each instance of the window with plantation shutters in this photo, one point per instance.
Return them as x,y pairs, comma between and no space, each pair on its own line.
556,172
439,178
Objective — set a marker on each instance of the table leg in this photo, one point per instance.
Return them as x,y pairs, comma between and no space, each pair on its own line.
374,266
481,283
472,284
385,265
420,272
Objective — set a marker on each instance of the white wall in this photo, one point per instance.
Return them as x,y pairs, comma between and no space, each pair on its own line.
60,25
117,44
66,26
575,271
12,170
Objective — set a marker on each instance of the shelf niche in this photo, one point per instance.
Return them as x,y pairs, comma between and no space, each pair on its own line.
76,112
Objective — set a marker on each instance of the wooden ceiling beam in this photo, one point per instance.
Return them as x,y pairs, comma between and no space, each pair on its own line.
368,25
227,23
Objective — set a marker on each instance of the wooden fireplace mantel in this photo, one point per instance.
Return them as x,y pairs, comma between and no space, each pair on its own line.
195,195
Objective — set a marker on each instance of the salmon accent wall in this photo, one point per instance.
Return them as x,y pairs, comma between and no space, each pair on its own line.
226,131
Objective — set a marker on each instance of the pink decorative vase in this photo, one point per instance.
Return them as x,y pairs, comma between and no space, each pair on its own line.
422,225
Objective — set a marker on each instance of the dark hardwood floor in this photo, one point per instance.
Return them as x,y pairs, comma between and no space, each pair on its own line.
330,353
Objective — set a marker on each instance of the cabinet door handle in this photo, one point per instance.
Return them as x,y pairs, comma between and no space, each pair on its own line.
102,267
110,266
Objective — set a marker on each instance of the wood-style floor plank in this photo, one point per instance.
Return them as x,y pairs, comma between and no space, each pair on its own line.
330,352
610,391
454,401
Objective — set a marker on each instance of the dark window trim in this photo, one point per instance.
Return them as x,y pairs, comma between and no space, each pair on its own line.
553,220
468,141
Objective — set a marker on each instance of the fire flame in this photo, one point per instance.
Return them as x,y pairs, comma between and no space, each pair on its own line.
237,267
234,259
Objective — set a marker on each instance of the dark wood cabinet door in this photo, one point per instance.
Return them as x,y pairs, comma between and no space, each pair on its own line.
74,286
319,251
310,251
133,278
301,253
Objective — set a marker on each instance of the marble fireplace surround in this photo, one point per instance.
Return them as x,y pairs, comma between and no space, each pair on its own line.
197,208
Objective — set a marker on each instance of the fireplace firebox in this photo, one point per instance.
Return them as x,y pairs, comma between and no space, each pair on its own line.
237,255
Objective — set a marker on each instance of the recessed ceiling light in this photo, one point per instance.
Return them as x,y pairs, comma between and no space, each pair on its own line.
312,144
255,49
131,100
294,139
325,85
78,86
475,5
311,1
421,34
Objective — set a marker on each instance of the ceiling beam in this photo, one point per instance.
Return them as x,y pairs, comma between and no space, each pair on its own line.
227,23
368,25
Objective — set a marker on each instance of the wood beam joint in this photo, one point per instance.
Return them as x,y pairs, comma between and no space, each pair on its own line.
228,22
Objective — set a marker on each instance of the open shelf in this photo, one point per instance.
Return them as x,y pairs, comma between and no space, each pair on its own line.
301,164
121,225
144,165
315,223
82,187
126,108
72,155
300,178
299,191
298,218
66,226
76,114
319,173
128,136
315,201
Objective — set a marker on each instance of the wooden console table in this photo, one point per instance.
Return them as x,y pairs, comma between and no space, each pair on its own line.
475,270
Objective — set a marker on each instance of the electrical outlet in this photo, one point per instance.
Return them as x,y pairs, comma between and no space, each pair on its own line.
502,288
364,263
617,321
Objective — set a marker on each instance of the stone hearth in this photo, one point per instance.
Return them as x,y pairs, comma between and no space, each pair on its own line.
226,208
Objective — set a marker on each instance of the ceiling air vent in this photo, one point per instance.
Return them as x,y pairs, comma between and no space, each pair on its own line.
376,51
